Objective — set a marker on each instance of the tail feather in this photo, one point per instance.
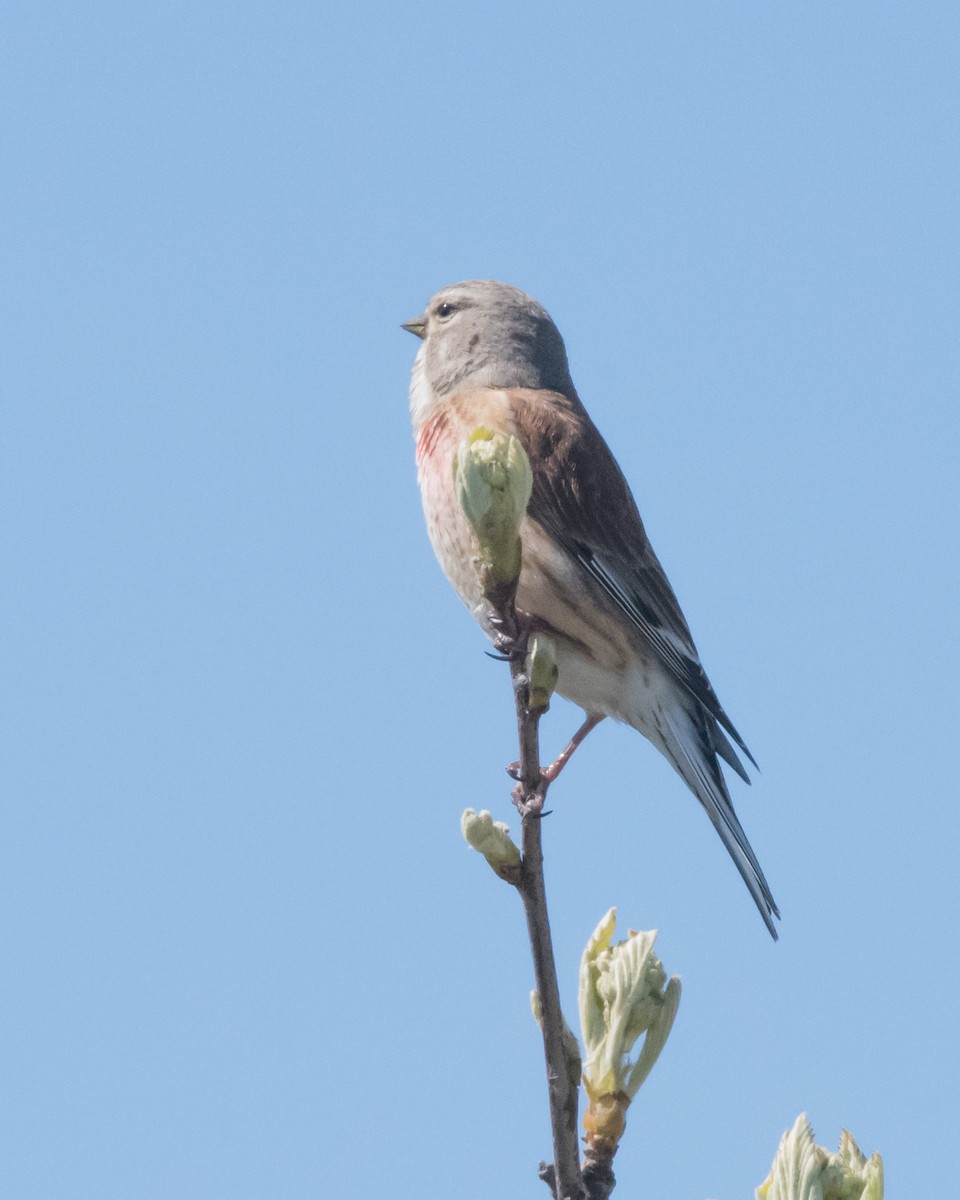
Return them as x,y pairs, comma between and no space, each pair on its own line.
692,747
721,745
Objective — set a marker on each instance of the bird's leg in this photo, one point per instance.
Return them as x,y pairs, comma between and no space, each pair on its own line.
550,773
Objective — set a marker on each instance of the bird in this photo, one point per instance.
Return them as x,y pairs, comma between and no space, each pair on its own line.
491,356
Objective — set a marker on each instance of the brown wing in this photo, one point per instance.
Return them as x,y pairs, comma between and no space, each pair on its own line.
583,501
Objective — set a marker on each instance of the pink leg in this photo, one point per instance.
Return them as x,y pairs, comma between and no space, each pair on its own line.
550,773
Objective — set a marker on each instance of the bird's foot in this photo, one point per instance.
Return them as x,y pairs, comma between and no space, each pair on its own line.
548,774
510,635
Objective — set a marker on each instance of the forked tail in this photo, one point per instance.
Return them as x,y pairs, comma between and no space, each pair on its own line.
693,751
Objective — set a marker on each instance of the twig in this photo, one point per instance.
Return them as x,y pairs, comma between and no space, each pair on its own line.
493,483
529,795
598,1176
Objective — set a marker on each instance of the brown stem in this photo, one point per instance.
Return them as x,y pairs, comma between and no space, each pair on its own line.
529,794
563,1176
598,1176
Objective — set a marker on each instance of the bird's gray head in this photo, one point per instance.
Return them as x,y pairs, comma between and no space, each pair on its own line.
487,334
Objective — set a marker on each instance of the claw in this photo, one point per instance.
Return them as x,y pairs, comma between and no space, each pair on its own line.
507,648
512,648
509,645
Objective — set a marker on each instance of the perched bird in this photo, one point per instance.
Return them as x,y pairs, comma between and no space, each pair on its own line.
491,356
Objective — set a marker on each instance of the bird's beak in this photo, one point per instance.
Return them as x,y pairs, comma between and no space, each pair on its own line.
418,327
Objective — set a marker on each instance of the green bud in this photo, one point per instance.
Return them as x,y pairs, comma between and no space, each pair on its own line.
493,482
802,1170
624,994
571,1049
491,839
542,671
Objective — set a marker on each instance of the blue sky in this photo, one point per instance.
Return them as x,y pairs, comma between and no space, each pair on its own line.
243,950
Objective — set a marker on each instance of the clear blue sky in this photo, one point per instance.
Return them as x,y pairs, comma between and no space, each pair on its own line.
244,953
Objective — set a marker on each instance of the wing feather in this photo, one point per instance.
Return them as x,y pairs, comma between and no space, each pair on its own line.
582,500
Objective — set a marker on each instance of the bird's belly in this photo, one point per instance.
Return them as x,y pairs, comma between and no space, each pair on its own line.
601,666
599,662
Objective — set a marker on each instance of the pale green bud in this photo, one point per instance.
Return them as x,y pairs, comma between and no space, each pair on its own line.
571,1049
491,839
542,671
493,482
802,1170
624,994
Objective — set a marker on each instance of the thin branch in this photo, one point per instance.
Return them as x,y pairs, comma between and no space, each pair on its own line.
529,796
493,482
598,1176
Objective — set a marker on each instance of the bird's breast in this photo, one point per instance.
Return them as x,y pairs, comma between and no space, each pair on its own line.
596,650
438,438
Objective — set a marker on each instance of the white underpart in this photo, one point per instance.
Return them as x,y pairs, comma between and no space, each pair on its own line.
600,667
422,398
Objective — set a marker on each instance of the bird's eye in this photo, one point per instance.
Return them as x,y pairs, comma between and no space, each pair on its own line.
445,311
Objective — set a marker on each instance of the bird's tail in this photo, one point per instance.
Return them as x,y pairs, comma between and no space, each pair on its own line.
693,751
